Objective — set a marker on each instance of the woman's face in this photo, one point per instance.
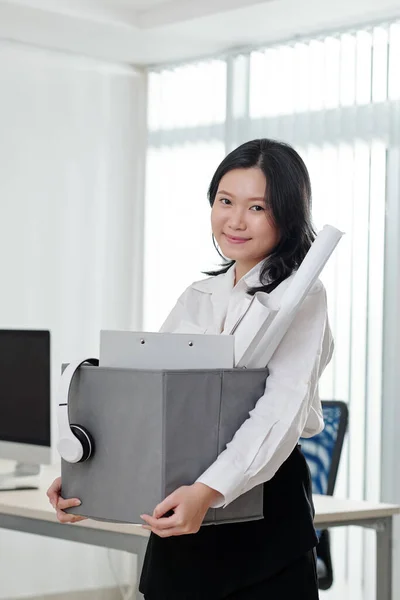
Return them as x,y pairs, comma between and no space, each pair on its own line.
241,223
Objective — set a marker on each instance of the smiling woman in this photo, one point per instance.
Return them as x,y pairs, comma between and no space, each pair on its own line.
260,197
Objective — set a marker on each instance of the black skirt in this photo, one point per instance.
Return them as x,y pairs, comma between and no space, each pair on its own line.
222,560
298,580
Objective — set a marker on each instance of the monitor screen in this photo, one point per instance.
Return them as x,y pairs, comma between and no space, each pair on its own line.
25,386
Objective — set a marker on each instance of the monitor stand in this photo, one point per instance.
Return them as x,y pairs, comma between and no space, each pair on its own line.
24,477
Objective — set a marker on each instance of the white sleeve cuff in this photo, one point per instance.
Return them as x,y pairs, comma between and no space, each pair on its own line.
224,478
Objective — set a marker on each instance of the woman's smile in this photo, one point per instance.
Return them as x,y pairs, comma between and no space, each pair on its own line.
236,240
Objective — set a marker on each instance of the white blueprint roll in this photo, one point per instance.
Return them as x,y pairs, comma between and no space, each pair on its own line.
272,326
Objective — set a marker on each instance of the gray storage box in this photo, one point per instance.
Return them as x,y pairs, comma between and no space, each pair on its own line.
153,432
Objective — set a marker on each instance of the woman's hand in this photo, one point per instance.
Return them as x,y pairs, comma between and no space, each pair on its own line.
59,504
189,505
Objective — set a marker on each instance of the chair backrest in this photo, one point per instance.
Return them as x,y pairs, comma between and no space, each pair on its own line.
322,451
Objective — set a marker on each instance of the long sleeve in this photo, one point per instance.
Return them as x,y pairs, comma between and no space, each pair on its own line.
269,435
174,318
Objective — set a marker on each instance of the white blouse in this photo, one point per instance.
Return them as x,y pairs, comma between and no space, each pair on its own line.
290,407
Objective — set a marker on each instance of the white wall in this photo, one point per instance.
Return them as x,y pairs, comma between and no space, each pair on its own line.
71,152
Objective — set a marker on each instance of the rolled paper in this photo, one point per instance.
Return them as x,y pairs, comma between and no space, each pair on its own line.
270,325
253,324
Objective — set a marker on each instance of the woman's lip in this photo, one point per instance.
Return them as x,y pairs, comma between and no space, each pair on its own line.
236,240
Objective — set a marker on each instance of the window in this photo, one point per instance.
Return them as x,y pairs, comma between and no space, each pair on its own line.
336,100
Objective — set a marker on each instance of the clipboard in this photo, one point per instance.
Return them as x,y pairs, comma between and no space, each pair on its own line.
148,350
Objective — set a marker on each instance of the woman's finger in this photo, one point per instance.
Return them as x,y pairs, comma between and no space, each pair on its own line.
63,517
54,491
66,518
64,503
169,503
78,518
55,486
53,499
166,523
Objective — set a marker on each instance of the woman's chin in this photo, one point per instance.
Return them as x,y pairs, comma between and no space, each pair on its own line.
232,251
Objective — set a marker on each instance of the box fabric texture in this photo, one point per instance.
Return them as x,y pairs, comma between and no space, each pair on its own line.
153,432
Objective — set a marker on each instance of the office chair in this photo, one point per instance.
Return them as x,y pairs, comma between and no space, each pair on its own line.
322,453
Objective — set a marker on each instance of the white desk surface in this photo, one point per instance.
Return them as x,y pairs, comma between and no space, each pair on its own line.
34,504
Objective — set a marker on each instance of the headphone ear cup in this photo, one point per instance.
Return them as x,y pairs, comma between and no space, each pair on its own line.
85,439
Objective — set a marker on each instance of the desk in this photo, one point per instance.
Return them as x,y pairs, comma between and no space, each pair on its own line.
30,512
335,512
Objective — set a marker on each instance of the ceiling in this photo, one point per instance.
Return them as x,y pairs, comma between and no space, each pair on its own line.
143,32
139,13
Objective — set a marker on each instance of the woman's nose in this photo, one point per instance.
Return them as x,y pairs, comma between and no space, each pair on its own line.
237,219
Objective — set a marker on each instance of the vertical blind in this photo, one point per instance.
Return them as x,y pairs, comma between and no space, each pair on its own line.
336,100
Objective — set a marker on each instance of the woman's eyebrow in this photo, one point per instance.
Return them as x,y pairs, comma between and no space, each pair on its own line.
256,199
224,192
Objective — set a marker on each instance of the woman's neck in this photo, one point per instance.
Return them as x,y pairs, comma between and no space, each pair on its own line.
241,269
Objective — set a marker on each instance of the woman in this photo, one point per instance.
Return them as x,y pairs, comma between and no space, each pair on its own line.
261,221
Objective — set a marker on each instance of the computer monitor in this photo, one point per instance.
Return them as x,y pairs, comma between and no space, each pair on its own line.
25,399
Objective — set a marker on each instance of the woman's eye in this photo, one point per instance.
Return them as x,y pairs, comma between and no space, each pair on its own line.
257,208
225,201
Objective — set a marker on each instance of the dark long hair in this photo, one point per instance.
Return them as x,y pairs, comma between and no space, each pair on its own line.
288,198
